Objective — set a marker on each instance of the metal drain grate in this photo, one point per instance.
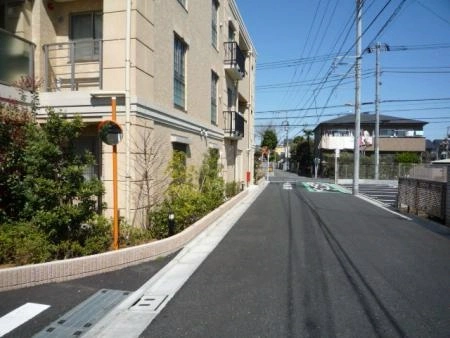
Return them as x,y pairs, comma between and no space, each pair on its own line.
80,319
149,303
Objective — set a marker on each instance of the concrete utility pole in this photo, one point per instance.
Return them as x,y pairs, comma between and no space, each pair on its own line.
378,47
357,97
286,128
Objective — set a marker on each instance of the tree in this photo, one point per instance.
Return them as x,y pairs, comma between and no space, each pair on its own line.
303,154
150,182
58,197
48,209
295,160
269,139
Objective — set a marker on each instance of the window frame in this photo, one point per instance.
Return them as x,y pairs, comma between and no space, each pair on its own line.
179,72
94,40
214,23
214,97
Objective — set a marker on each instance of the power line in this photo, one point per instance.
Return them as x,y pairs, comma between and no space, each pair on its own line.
315,124
433,12
364,103
370,111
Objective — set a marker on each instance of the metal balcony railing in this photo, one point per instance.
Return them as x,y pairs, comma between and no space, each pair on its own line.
234,60
16,58
234,125
73,65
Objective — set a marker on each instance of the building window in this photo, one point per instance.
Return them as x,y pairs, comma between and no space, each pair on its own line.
215,8
179,70
86,31
214,82
180,154
231,32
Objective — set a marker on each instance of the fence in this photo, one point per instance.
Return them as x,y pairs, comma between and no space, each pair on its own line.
72,65
367,171
426,191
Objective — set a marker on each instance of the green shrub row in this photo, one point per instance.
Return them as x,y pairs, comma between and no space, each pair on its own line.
49,210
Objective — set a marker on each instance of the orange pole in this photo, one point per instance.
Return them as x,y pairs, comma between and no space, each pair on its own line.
115,188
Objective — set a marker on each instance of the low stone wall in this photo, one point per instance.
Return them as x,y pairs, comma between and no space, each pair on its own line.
58,271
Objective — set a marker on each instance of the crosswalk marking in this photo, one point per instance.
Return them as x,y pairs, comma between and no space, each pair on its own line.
21,315
287,186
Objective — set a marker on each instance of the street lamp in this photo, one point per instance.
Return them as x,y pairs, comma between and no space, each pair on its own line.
171,222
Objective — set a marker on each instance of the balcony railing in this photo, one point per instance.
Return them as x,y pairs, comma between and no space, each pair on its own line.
73,65
234,125
234,60
16,57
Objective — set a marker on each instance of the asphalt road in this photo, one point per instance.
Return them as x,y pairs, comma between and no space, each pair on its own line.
62,297
316,264
298,263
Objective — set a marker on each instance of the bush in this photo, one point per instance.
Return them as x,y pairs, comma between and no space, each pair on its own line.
231,189
186,200
130,235
407,158
22,243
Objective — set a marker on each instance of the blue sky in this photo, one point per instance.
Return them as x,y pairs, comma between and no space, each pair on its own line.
297,42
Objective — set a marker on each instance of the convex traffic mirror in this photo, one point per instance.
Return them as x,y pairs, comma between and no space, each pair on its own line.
110,132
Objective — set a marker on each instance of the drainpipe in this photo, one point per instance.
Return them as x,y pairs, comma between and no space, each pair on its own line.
250,106
127,106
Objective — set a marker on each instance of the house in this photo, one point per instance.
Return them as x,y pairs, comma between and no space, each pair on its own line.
181,74
396,134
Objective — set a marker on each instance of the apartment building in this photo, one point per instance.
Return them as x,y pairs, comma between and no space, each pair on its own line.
395,134
181,74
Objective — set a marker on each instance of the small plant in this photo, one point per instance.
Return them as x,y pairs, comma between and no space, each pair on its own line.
407,158
231,189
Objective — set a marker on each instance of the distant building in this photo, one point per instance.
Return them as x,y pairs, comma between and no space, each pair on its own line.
183,73
396,134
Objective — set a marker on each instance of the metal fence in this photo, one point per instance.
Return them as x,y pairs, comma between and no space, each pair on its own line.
72,65
367,171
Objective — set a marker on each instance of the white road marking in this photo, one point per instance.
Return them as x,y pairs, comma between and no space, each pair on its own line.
287,186
19,316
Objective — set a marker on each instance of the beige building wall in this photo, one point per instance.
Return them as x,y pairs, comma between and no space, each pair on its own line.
149,119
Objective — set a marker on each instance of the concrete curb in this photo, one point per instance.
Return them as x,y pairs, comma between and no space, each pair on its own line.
58,271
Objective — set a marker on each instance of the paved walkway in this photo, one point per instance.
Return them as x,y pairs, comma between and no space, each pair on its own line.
132,316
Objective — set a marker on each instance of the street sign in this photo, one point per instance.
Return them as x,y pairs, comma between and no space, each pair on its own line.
110,132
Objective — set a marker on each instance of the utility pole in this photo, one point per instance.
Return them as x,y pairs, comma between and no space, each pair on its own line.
357,97
286,128
378,47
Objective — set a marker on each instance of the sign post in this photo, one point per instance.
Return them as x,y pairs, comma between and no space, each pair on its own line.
337,153
111,134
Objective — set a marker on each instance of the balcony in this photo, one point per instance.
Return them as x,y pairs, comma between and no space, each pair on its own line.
74,65
234,125
387,144
234,60
16,58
